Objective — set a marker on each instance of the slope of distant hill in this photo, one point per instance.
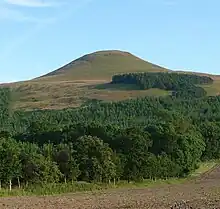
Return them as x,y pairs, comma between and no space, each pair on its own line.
102,65
87,78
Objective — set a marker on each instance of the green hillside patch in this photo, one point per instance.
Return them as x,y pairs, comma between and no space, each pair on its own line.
212,89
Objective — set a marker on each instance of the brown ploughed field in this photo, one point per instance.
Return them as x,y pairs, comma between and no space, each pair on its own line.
203,193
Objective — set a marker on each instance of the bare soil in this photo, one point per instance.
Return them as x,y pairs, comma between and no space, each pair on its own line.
203,193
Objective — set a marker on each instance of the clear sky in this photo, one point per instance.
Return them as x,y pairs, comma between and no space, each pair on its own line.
38,36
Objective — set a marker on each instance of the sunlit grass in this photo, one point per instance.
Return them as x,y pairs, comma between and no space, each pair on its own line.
204,167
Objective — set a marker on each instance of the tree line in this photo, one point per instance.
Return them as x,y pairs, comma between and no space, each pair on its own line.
182,85
107,142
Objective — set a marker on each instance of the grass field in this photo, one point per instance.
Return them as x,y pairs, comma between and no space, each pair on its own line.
213,89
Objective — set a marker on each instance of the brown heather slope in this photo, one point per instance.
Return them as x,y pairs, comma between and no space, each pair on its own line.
86,78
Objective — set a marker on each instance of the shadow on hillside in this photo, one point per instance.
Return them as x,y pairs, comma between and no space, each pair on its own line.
110,86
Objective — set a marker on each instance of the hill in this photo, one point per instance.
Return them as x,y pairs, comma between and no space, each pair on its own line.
102,65
87,78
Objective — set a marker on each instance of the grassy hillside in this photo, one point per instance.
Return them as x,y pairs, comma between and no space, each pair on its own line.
101,66
78,81
87,78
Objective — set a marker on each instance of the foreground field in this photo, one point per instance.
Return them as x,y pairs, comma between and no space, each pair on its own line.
202,193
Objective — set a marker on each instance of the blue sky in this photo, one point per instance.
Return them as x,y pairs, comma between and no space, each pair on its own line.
38,36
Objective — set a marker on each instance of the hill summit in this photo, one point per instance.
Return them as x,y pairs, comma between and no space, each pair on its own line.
102,65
